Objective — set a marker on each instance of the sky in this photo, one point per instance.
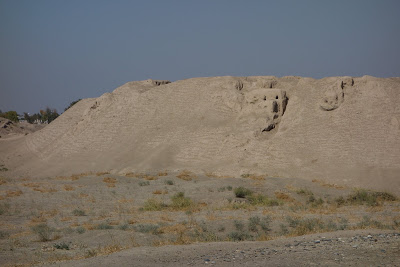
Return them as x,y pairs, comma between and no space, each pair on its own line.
53,52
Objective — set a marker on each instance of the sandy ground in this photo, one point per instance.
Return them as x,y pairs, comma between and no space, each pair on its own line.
347,248
92,215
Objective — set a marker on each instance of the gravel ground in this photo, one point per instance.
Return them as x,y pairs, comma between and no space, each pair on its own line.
345,248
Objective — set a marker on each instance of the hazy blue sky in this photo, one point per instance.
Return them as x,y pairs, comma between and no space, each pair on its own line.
55,51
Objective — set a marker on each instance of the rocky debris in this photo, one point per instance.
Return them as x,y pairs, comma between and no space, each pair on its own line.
340,250
160,82
5,123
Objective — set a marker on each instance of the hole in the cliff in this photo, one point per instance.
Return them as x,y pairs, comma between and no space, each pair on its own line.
276,97
265,98
275,107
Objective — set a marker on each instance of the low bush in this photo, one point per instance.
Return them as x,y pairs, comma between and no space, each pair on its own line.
242,192
147,228
179,201
44,231
78,212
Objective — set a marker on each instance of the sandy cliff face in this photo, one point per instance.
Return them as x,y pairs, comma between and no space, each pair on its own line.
338,129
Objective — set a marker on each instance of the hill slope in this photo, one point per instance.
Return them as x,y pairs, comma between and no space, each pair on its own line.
338,129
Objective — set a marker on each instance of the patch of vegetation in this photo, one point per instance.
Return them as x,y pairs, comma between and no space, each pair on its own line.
306,226
242,192
305,192
169,182
343,224
147,228
239,236
144,183
179,201
104,226
314,201
222,189
80,230
78,212
4,208
61,245
253,222
43,231
366,222
238,225
262,200
123,227
186,175
364,197
153,205
2,168
4,234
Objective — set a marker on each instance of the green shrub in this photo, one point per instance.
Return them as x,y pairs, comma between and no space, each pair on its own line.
364,197
123,227
242,192
253,223
4,208
80,230
144,183
239,236
78,212
304,192
169,182
44,231
61,245
229,188
238,225
179,201
265,224
262,200
147,228
315,202
4,235
153,205
366,222
104,226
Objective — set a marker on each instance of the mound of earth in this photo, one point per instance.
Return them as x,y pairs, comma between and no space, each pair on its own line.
339,129
10,129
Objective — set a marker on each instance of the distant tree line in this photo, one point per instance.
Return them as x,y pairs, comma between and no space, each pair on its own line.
11,115
43,116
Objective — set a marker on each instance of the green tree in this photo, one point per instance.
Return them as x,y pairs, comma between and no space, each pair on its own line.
11,115
72,103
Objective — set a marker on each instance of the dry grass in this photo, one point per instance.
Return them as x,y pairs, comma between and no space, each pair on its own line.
254,176
322,183
110,181
160,192
102,173
31,185
69,188
15,193
186,175
2,181
213,175
65,219
283,196
46,190
162,173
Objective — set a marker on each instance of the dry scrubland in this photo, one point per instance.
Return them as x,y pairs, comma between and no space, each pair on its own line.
205,160
93,214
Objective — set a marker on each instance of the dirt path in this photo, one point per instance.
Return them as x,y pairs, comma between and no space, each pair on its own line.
349,248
